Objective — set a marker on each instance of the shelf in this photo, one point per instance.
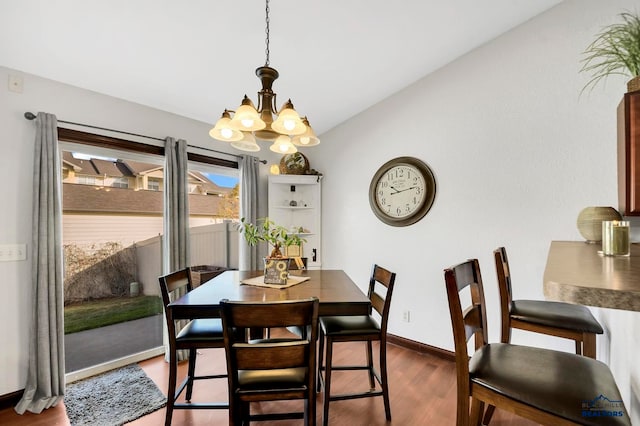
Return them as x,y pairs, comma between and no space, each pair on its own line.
294,207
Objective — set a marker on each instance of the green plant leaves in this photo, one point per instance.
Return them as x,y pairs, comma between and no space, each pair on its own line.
615,51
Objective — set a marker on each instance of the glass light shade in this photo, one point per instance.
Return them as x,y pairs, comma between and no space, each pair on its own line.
247,143
288,121
223,131
246,117
308,138
283,145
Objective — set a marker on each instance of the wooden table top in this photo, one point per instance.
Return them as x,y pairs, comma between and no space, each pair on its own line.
337,293
576,273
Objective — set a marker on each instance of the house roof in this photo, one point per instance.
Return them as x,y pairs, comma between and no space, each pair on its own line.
139,168
110,168
78,198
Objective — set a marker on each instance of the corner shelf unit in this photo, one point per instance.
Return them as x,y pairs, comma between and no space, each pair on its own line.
305,192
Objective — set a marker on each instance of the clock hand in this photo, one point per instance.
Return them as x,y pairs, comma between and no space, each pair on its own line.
394,190
402,190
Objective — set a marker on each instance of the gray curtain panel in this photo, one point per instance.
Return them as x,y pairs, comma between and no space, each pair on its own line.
249,209
45,377
176,206
175,247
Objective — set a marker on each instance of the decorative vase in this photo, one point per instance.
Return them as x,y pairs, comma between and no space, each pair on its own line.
633,85
590,222
276,270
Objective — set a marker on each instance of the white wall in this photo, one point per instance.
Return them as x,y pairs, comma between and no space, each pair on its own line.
16,171
516,152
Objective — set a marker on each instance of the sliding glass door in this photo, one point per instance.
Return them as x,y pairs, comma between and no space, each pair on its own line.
112,237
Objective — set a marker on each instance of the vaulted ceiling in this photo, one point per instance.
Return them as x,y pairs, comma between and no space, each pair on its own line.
195,58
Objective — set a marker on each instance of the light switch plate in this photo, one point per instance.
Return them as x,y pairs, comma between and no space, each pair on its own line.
13,252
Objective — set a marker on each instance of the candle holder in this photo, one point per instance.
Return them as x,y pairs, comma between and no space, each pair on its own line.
615,238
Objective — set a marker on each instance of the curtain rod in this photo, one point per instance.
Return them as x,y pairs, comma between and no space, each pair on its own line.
31,116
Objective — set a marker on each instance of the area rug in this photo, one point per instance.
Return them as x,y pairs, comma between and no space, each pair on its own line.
113,398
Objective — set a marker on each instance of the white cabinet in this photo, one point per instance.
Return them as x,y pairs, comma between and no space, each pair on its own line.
294,202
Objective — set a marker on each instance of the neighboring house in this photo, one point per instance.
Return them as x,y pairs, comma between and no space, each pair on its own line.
122,200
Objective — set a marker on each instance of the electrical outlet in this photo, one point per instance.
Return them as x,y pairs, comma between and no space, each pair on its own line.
13,252
406,315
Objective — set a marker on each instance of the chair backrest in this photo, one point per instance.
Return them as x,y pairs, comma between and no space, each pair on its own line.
173,281
170,283
268,354
506,294
471,321
504,277
381,301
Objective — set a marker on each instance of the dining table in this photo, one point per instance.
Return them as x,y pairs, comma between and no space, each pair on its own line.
336,292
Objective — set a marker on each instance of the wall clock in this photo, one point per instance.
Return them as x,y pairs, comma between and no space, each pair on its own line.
402,191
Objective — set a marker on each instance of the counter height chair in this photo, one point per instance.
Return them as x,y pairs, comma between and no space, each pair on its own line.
336,329
270,369
196,334
546,386
559,319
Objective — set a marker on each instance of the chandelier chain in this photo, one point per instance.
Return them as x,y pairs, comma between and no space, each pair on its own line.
266,50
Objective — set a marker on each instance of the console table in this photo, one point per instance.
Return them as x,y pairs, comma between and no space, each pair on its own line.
576,273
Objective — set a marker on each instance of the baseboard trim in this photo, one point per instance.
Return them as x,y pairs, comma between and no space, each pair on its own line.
10,399
421,347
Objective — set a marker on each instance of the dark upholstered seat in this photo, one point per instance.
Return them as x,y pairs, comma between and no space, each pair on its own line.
270,369
555,314
350,326
196,334
335,329
199,330
531,376
546,386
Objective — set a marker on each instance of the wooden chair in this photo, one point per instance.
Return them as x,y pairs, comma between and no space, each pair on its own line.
335,329
273,368
559,319
546,386
196,334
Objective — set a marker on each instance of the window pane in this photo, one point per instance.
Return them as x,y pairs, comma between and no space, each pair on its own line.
213,214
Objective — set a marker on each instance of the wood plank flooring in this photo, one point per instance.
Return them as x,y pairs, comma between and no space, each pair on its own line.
422,386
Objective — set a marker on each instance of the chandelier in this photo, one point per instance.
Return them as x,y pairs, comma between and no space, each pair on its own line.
249,123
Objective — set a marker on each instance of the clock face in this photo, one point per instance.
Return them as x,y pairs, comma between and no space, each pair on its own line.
402,191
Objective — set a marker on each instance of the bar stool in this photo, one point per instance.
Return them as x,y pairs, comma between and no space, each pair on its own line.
336,329
196,334
559,319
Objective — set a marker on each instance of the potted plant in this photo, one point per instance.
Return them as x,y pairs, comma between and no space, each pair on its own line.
276,266
616,50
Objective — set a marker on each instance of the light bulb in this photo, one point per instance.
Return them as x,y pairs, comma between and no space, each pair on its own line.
226,133
289,124
247,123
304,140
283,147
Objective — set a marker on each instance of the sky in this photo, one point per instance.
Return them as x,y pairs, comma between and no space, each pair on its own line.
224,181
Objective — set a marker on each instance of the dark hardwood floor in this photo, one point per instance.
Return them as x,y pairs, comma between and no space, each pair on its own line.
422,393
